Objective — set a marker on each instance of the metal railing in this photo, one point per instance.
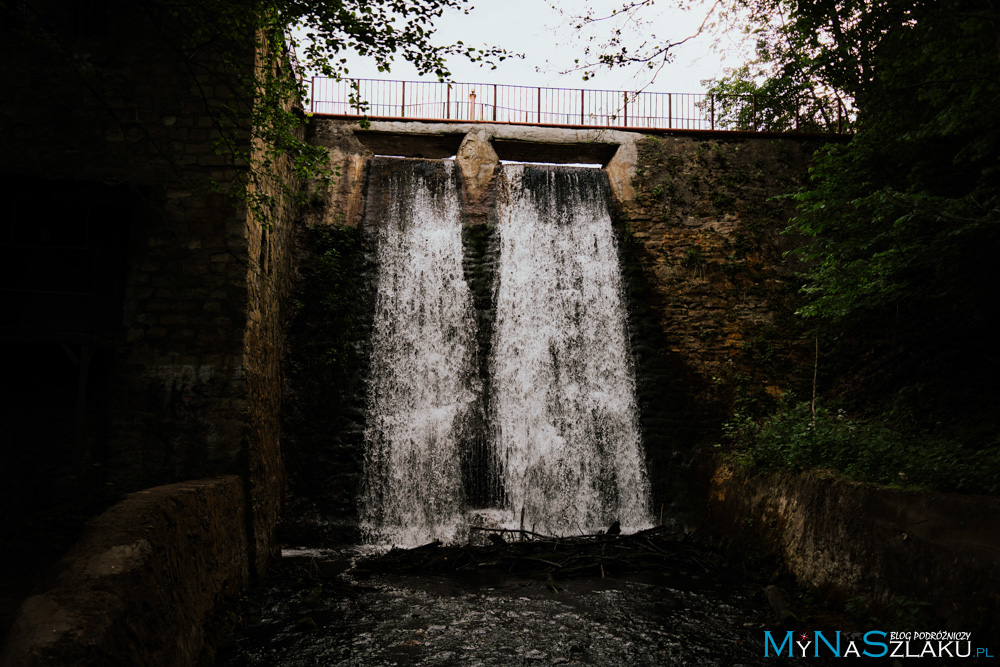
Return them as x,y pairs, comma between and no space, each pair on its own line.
497,103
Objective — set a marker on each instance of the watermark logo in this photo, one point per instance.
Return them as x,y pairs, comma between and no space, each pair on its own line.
872,644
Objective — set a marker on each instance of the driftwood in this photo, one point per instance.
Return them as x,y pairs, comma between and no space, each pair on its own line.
527,552
786,617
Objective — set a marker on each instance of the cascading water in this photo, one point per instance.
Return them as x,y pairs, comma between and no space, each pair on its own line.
564,440
562,387
423,389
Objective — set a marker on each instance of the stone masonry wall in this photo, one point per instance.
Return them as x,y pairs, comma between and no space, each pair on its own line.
197,352
707,236
698,217
142,583
133,114
702,253
848,539
270,268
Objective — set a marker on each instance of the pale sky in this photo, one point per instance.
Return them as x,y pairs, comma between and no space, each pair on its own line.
549,43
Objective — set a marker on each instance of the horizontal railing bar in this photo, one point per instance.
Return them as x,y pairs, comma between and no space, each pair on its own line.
532,105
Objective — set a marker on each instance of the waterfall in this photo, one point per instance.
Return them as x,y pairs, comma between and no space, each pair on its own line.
563,389
423,388
559,416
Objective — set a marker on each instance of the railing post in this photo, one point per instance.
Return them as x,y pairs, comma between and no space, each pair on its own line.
347,92
312,95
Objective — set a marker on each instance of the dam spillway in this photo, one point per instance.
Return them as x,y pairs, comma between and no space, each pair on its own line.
563,389
550,418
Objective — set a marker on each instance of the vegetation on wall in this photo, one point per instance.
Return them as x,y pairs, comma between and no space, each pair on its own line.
901,225
798,437
317,34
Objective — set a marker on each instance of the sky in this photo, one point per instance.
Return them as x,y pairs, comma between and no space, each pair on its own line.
550,44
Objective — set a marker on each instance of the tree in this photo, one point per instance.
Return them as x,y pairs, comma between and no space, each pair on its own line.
778,90
380,29
894,212
901,224
747,99
628,36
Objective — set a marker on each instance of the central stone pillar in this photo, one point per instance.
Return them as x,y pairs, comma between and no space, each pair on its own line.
477,161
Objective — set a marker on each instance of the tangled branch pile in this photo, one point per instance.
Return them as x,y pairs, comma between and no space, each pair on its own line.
525,552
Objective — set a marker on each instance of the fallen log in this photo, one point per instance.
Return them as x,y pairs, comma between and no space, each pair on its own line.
786,617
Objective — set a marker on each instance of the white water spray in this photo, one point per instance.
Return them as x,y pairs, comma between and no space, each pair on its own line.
563,388
423,386
562,409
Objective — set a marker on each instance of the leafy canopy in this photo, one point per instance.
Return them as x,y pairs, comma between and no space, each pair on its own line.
900,221
907,216
317,34
906,212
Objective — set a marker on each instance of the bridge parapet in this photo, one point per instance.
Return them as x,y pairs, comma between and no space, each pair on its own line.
557,107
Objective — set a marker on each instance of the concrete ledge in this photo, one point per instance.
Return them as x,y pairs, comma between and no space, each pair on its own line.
847,539
140,585
479,145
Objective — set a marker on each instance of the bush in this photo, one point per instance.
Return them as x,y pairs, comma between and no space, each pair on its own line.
795,438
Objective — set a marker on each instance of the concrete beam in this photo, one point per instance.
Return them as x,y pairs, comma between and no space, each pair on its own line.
474,145
402,144
518,150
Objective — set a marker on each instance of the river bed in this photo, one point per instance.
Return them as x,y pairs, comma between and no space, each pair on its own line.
316,612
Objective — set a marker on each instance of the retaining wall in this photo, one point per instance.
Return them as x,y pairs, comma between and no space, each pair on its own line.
141,584
847,539
191,350
699,231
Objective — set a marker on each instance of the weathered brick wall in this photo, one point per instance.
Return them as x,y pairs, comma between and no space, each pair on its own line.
131,113
197,351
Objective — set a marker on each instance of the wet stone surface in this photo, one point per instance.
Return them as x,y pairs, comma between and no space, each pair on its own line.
315,613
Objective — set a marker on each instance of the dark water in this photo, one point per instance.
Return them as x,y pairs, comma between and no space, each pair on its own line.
315,612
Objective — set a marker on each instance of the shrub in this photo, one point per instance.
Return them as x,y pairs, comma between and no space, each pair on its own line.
794,437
